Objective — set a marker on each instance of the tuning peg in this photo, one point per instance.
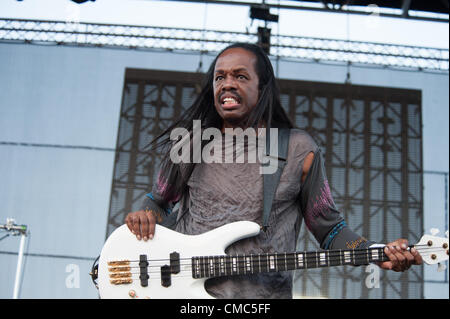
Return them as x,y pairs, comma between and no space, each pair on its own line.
434,231
441,267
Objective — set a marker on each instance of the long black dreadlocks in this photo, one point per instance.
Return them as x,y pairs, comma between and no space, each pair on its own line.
173,177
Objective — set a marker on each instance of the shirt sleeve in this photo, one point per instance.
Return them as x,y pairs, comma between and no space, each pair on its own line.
161,201
321,216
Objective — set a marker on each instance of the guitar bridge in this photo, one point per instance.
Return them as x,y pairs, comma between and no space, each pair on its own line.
119,263
120,275
119,269
121,281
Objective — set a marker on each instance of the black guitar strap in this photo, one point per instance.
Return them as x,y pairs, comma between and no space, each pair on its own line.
270,181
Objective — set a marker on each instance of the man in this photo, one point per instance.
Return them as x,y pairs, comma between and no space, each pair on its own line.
240,92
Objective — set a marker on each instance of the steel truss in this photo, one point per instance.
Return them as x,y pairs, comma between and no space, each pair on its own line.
210,41
372,143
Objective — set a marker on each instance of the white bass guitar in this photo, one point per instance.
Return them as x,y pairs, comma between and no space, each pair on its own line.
173,265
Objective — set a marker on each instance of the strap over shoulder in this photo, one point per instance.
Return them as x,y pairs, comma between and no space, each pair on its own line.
270,181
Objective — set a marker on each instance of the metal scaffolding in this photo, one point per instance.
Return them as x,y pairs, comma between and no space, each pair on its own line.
211,41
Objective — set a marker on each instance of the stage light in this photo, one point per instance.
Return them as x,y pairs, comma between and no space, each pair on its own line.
82,1
264,39
262,13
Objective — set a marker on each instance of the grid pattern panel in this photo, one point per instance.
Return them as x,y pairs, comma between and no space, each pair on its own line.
372,147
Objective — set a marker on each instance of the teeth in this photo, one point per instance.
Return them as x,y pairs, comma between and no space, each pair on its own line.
229,100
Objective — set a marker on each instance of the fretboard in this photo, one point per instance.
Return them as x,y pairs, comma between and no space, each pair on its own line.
229,265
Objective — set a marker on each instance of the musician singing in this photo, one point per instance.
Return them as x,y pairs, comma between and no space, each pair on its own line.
240,91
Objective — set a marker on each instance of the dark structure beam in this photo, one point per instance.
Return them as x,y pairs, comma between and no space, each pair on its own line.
338,7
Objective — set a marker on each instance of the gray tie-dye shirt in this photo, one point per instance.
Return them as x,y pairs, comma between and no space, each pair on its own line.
220,193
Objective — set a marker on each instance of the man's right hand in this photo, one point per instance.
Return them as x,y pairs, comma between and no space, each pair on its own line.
142,224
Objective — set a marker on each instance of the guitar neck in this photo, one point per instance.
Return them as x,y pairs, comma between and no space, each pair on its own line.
229,265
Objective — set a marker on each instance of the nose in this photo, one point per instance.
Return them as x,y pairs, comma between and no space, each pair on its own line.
229,83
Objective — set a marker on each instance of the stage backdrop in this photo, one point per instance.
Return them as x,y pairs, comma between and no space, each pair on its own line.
60,111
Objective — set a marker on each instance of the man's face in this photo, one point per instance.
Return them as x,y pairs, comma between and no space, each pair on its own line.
235,86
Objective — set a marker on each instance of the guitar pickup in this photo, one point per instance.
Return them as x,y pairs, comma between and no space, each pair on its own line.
175,262
143,266
166,280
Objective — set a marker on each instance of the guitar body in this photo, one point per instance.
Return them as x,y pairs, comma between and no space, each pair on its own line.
122,245
173,265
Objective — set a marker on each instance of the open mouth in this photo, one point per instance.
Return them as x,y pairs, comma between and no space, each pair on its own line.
230,102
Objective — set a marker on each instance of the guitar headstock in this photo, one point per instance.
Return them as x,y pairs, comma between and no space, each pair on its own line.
433,249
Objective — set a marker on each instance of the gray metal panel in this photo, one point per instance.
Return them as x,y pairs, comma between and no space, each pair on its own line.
54,99
48,278
61,194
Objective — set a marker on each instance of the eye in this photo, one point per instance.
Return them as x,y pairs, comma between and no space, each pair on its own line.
219,77
242,77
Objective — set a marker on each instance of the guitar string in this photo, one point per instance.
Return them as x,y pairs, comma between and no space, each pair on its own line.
227,260
290,261
291,264
359,252
188,274
363,250
290,258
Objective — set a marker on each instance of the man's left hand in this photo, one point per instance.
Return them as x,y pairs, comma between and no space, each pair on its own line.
400,258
